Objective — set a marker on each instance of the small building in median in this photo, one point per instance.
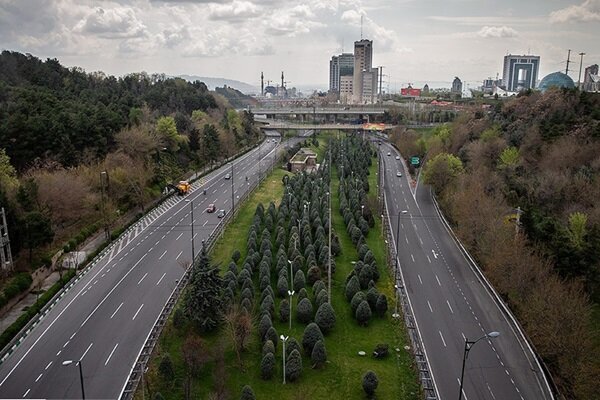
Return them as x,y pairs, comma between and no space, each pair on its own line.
304,160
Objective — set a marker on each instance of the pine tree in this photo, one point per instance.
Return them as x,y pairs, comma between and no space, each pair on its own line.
203,303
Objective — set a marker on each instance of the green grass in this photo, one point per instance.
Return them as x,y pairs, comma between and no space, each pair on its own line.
341,377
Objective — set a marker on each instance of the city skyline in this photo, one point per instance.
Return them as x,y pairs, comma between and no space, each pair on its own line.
415,41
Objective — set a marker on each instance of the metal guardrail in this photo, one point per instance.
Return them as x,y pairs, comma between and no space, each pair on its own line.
425,376
139,368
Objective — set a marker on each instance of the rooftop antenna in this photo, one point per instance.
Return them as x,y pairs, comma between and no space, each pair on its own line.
361,27
342,45
568,61
580,65
262,84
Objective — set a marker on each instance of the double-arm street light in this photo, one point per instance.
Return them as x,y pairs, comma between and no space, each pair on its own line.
468,346
192,224
291,294
283,340
78,363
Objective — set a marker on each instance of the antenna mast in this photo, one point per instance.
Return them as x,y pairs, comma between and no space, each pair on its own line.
361,27
580,65
568,62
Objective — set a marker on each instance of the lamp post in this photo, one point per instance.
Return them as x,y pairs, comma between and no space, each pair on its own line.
232,198
192,224
69,362
104,175
468,346
283,340
362,210
395,314
291,294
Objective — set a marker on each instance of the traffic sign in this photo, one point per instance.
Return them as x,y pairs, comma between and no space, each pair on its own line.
416,161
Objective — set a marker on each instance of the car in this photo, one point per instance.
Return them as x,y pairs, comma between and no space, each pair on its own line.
211,208
397,157
389,153
221,213
404,212
227,176
398,173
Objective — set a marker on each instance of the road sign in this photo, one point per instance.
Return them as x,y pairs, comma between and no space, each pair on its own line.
415,161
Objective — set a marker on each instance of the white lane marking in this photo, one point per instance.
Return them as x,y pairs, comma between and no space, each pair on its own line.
434,255
442,337
39,377
179,255
413,257
490,390
162,255
161,278
48,366
58,354
406,239
137,312
140,281
157,242
179,235
27,392
463,391
112,290
421,241
205,222
118,308
65,345
465,338
72,336
111,353
195,234
420,279
428,259
438,280
85,352
429,304
452,311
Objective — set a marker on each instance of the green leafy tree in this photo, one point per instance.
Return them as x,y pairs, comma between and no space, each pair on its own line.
442,171
509,157
577,229
381,306
203,305
211,142
363,313
304,311
37,231
352,287
165,368
325,318
312,334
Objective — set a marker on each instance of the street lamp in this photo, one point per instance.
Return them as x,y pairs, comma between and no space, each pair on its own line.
291,294
395,314
284,339
69,362
468,345
192,224
362,210
232,198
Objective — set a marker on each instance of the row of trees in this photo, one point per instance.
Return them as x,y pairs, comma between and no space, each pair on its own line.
538,152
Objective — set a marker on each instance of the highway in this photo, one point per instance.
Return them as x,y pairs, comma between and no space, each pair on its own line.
104,319
450,303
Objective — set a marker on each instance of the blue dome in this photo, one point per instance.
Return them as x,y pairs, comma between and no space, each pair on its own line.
556,79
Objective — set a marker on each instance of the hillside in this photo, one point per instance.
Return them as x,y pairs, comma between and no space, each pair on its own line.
213,83
538,156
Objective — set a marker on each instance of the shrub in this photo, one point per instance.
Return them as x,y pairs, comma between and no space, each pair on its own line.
247,393
370,383
247,294
382,305
282,287
232,268
365,276
325,318
165,368
352,287
372,295
293,366
302,294
178,318
264,282
284,310
319,354
291,345
264,325
267,366
299,280
363,313
381,351
358,298
304,311
314,274
268,347
312,334
267,305
272,336
321,298
236,256
246,304
318,286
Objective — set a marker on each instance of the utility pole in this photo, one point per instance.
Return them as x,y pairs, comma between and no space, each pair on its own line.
232,197
104,217
580,65
568,62
6,262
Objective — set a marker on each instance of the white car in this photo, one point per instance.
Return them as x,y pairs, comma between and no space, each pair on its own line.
389,154
397,157
398,173
227,176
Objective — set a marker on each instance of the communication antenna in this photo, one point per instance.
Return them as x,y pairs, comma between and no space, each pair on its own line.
568,61
580,65
342,45
361,27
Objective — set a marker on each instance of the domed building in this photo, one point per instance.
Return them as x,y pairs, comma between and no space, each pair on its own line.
556,79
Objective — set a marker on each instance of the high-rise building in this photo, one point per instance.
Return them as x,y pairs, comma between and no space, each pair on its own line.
342,65
520,72
364,83
456,86
346,88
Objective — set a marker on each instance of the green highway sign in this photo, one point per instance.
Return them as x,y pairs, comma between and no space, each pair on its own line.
415,161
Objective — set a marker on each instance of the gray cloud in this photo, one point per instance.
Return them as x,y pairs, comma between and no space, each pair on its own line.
111,23
588,11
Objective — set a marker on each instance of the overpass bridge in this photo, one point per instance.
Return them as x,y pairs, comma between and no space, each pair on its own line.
281,125
326,114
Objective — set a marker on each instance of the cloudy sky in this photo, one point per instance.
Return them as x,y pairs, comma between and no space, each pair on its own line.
415,40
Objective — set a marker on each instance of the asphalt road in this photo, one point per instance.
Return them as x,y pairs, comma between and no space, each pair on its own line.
450,303
105,318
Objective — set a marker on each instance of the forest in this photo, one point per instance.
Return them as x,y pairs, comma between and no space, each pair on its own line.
520,183
63,129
